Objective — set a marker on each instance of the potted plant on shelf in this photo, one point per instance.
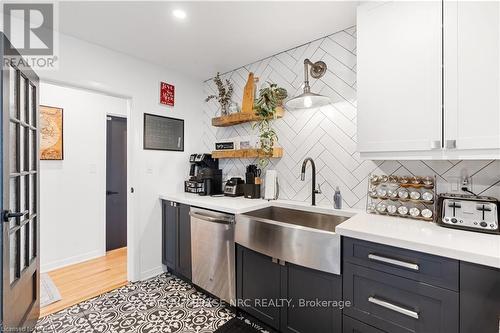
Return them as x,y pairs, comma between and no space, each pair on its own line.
224,96
270,98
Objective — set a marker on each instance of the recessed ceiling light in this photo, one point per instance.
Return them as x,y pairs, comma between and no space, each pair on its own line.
179,13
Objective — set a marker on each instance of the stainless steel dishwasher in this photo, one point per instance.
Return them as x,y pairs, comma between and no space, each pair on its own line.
212,252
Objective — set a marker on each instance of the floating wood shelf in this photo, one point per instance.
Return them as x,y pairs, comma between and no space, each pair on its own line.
247,153
241,117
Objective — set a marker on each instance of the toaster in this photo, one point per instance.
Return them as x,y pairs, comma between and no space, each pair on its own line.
468,212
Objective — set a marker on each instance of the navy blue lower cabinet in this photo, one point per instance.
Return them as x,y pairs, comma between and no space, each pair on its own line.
169,234
315,301
184,242
394,304
258,282
434,270
287,297
351,325
176,238
479,298
398,290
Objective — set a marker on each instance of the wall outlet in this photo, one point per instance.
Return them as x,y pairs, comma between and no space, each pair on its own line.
454,184
466,182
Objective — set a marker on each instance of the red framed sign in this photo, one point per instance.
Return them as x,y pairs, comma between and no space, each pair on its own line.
167,94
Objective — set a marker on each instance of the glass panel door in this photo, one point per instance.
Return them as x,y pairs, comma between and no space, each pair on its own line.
20,180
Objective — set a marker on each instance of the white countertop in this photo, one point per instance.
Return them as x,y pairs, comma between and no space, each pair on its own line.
240,205
475,247
230,205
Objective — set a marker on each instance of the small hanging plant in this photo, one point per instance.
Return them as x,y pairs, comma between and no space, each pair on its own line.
225,94
265,107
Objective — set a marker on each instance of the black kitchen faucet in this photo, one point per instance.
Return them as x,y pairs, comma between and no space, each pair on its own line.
303,177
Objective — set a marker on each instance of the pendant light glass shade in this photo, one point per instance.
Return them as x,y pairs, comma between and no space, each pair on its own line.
308,99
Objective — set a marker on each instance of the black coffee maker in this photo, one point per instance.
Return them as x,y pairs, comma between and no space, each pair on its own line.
199,161
203,175
211,181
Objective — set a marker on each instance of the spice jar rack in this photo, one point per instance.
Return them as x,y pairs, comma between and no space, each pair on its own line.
403,196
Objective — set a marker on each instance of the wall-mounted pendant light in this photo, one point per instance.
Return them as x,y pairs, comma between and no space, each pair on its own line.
308,99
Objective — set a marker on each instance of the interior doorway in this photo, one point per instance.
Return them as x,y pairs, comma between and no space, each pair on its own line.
79,260
116,183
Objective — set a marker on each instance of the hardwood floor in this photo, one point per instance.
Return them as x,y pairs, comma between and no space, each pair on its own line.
88,279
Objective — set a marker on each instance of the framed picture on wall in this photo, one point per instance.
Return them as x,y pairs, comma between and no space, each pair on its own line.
163,133
167,94
51,133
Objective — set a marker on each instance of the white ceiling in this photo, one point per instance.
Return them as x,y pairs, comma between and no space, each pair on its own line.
215,36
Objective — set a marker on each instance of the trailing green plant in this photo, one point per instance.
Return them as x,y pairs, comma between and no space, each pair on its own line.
265,107
225,94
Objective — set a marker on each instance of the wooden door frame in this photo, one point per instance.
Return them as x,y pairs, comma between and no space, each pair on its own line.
133,261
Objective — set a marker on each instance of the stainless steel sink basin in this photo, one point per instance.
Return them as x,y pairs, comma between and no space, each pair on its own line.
299,217
297,236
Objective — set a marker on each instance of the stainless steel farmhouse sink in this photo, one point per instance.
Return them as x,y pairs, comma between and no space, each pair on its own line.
299,217
297,236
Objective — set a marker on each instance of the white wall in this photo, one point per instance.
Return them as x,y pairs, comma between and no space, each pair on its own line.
72,191
152,172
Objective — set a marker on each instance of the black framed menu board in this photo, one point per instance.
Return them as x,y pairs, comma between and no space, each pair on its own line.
163,133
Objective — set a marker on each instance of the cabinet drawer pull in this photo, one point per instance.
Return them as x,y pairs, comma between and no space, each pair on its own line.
435,144
396,262
450,144
393,307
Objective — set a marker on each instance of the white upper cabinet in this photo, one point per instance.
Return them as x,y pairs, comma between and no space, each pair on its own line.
399,55
472,78
429,80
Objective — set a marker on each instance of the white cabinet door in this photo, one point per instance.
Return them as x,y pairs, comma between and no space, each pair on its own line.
399,77
472,76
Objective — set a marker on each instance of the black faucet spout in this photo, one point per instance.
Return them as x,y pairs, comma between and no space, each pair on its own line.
313,181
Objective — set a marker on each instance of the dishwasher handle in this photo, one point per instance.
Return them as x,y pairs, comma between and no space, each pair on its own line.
212,219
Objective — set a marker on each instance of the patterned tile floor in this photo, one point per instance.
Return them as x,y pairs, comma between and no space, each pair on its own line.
161,304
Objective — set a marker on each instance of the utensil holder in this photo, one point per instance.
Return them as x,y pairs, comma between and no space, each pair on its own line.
251,191
249,177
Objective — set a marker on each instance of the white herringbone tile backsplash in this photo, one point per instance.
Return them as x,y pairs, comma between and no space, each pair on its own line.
328,134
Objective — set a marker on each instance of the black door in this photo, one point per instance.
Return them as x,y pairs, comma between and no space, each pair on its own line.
116,183
20,179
